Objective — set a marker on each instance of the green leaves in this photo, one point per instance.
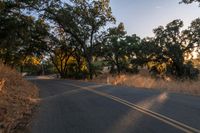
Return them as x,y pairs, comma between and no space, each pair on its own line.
119,50
189,1
20,34
84,21
76,31
170,46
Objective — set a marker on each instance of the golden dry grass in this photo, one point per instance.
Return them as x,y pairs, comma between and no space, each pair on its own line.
16,100
145,81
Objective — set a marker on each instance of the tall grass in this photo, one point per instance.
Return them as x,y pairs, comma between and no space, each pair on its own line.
145,81
16,100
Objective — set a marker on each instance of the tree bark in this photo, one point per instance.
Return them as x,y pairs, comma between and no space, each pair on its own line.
90,70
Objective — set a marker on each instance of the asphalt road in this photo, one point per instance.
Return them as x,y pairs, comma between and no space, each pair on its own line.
69,106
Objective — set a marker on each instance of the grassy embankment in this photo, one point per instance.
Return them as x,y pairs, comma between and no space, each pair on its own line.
144,81
17,100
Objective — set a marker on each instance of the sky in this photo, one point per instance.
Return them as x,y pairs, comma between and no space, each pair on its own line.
142,16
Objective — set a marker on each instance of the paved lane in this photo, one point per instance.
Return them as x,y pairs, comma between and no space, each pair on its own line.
67,107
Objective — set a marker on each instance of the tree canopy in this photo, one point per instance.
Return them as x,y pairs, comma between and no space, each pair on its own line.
190,1
21,34
77,38
170,50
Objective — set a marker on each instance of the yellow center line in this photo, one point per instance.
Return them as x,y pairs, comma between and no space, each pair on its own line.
165,119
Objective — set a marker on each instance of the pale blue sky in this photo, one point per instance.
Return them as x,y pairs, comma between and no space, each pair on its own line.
141,16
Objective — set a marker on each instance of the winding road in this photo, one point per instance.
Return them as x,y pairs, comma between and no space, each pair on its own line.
69,106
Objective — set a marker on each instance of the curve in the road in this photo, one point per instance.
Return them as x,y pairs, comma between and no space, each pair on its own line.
179,125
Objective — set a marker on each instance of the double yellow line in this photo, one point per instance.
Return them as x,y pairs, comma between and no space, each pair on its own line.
181,126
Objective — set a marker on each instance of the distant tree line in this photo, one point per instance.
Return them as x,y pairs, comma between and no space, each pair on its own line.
74,36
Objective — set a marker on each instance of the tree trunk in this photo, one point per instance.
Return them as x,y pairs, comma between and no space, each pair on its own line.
62,75
118,65
118,69
78,60
21,69
90,70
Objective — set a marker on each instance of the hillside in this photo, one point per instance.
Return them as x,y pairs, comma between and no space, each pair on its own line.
17,100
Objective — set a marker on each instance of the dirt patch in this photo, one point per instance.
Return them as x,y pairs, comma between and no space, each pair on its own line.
18,100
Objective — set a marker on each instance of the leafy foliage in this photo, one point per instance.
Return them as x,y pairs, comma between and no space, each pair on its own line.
74,35
190,1
170,46
83,21
20,35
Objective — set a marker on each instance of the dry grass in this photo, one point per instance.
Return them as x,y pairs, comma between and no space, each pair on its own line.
145,81
16,100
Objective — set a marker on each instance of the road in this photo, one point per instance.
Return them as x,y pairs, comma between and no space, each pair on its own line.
69,106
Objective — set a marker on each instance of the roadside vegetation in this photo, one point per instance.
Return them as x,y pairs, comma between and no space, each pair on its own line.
73,39
17,100
143,80
79,39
